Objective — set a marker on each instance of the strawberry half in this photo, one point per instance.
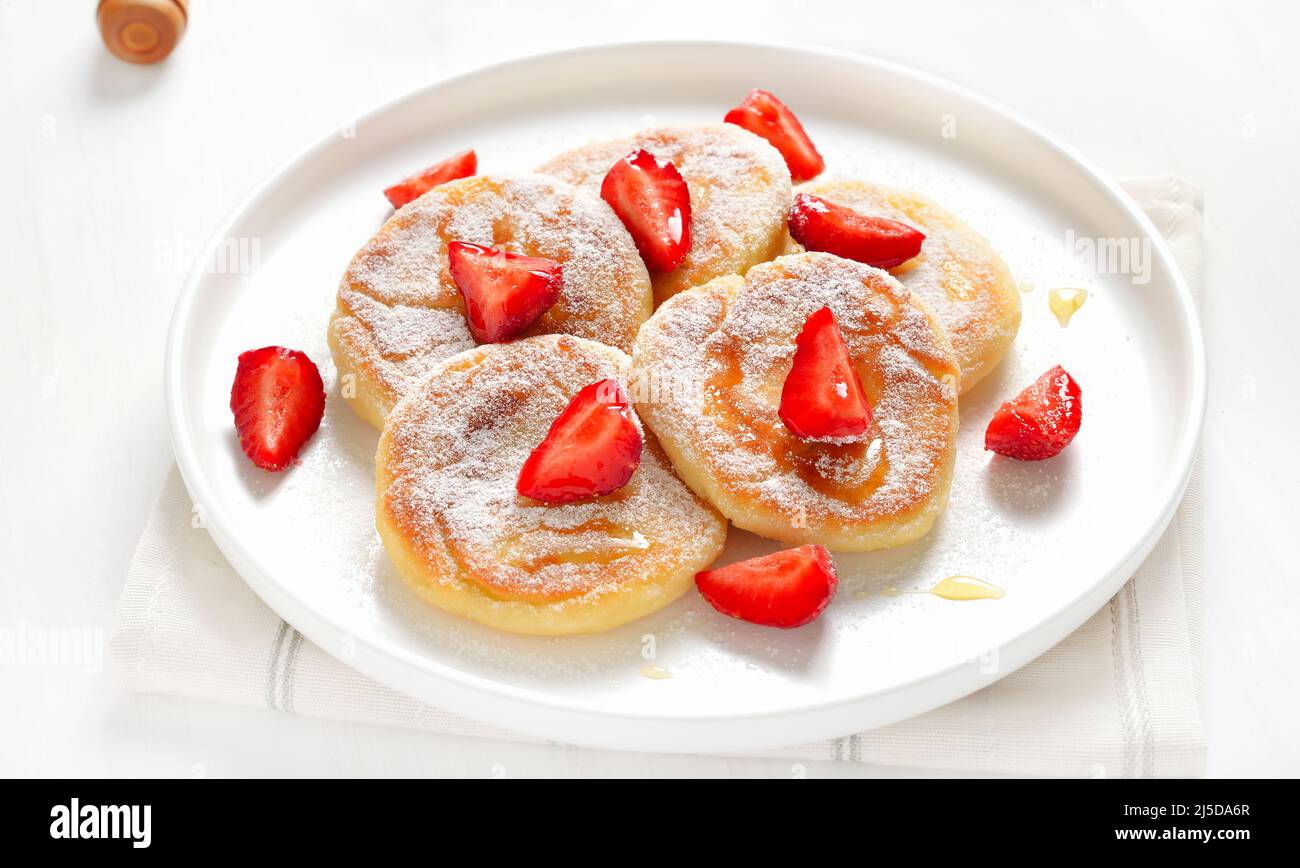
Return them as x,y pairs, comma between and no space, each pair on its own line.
461,165
592,448
504,292
784,589
822,398
278,400
830,228
1040,421
764,115
654,203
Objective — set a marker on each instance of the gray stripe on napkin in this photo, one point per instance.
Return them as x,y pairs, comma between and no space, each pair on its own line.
273,666
286,676
1130,685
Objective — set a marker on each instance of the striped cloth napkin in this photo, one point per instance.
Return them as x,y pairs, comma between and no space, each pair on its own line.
1119,697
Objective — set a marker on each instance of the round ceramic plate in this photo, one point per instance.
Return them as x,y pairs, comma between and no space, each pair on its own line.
1059,536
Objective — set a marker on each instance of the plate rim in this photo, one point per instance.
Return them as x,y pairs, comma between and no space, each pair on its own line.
563,718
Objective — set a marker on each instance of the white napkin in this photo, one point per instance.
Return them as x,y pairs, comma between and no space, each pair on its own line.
1119,697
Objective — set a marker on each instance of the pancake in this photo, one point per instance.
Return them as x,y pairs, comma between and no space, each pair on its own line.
957,275
398,310
707,375
740,191
450,518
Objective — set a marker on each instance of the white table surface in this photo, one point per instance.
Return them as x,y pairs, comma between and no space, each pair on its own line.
111,176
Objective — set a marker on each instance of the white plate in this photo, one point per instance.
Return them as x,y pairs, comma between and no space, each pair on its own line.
1060,536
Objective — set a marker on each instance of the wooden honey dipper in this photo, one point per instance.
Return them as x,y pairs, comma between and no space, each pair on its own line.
142,31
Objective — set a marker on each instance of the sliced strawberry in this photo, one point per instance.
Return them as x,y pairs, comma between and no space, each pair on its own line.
503,292
822,398
653,202
592,448
764,115
1040,421
461,165
278,400
784,589
830,228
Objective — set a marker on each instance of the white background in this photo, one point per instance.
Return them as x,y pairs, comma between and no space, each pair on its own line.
111,177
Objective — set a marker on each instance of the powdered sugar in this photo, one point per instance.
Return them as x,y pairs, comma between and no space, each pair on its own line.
453,451
400,311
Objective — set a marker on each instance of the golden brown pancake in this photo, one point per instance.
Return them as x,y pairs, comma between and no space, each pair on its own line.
462,538
957,275
740,192
399,313
707,375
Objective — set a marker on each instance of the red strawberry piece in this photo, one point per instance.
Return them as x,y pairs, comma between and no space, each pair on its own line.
764,115
592,448
504,292
461,165
822,398
278,400
830,228
784,589
1040,421
653,202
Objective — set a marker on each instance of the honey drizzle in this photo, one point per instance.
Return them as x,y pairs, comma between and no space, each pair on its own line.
957,588
1063,305
967,588
622,541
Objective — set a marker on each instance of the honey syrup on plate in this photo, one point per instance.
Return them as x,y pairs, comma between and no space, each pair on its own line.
958,587
1065,302
966,588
